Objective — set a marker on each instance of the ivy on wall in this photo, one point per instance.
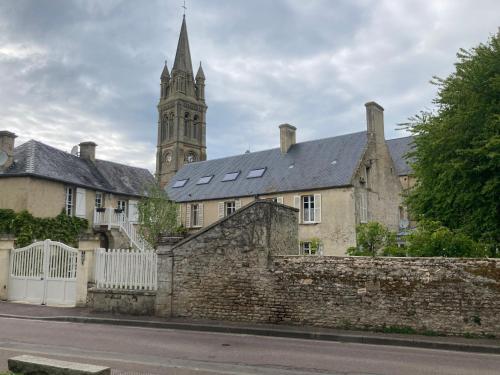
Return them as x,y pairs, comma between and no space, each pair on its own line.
28,229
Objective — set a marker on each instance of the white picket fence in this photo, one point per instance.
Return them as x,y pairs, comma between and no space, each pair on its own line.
125,269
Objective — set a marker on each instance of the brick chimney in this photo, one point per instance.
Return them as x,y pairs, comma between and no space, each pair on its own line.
287,137
87,151
6,149
375,121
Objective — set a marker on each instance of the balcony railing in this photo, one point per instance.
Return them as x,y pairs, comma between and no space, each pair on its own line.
113,218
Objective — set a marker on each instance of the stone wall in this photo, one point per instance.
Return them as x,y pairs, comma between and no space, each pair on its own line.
130,302
236,270
443,295
243,240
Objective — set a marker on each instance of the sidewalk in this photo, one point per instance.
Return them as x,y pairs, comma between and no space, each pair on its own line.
83,315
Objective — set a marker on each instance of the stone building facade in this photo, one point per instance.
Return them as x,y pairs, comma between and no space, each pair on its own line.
181,114
336,183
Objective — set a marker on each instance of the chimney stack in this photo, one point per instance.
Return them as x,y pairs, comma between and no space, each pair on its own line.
87,151
6,149
375,121
287,137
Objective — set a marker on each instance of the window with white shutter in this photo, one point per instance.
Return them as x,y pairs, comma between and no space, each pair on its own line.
296,204
80,203
279,200
363,207
221,210
133,213
237,204
317,208
179,215
188,216
200,214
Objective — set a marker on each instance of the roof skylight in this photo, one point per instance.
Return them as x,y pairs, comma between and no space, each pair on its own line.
231,176
180,183
204,180
255,173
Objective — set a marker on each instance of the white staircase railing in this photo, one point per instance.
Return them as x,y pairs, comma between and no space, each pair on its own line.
114,219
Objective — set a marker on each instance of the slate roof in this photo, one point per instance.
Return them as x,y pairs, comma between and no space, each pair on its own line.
398,148
323,163
37,159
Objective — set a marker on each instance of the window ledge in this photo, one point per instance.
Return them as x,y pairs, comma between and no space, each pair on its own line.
309,223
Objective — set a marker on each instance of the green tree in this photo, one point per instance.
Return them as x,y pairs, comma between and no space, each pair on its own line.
157,215
457,153
431,239
373,239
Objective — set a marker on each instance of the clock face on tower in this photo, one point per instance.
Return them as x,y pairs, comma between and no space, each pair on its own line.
190,157
168,157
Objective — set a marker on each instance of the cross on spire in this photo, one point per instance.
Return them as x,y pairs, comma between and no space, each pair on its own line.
184,7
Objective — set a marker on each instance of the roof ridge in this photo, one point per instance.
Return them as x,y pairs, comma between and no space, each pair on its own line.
400,138
122,164
275,148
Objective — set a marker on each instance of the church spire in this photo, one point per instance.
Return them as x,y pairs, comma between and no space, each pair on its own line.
182,61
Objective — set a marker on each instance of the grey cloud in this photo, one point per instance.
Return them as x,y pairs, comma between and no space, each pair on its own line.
89,69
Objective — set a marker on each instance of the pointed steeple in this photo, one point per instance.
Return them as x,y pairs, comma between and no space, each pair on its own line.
183,55
165,75
200,74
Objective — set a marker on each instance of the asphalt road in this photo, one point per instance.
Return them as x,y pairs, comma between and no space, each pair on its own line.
131,350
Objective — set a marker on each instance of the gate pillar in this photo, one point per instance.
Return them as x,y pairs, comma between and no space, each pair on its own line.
6,245
165,275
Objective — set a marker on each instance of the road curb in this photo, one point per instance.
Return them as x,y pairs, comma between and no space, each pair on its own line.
287,333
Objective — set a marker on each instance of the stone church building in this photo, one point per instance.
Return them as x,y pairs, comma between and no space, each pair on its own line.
181,114
335,183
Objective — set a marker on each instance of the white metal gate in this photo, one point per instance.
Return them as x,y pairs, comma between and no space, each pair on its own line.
43,273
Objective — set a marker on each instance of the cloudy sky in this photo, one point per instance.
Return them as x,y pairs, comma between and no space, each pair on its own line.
77,70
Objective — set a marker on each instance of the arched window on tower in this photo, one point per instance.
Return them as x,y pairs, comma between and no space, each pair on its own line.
163,129
196,127
186,125
171,126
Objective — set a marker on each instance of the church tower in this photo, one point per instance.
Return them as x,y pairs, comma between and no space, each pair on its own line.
181,114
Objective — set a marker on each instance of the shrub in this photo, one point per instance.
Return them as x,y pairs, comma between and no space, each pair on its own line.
373,239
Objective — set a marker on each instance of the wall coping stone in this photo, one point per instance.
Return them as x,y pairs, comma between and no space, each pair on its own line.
7,237
123,291
88,237
409,259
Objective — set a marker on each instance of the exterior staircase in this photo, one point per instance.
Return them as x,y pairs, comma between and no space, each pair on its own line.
112,219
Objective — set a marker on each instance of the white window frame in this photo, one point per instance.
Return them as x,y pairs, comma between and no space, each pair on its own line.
121,204
229,207
98,199
195,215
308,213
70,200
